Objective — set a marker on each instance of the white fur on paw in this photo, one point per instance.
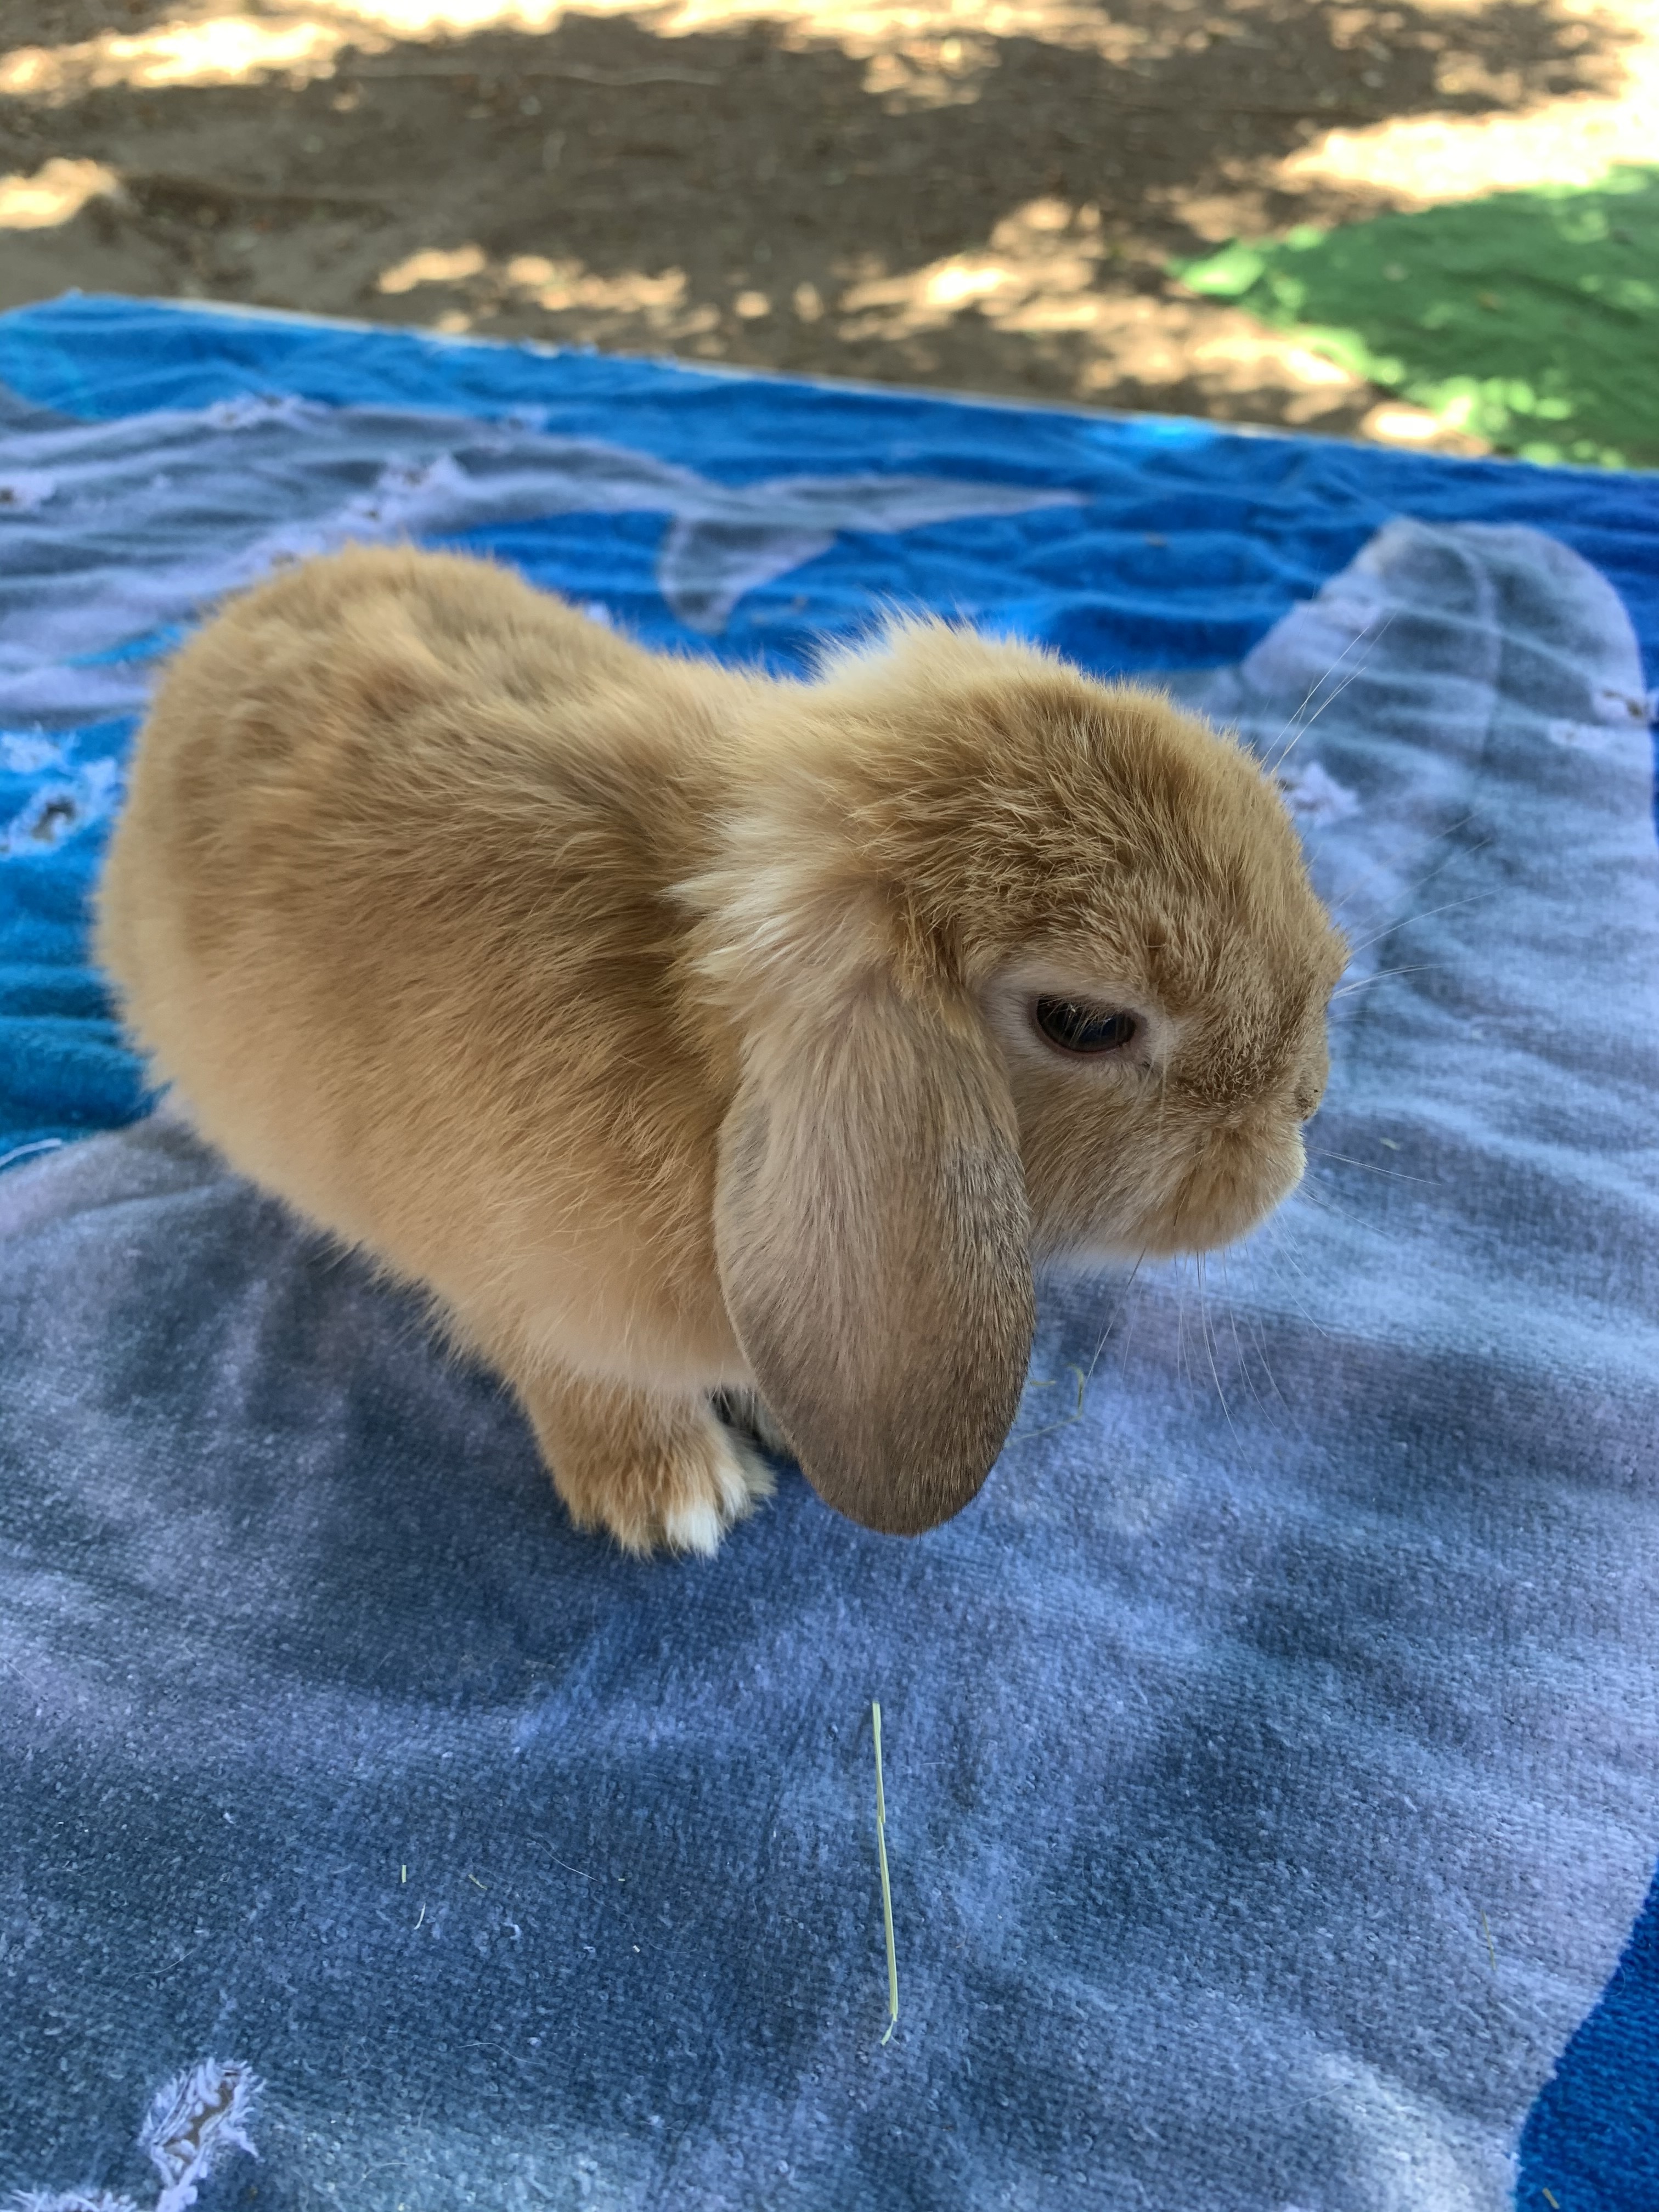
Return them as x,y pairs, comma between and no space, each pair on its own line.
737,1480
695,1527
744,1478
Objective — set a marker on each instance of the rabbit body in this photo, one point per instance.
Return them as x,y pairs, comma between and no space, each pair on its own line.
671,1025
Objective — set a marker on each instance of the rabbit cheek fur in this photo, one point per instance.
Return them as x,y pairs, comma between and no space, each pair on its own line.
673,1027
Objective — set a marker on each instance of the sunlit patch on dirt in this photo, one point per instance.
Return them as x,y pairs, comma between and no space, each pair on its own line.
1047,271
1426,161
921,55
936,52
657,306
434,266
56,193
1393,423
221,49
930,72
1038,272
662,302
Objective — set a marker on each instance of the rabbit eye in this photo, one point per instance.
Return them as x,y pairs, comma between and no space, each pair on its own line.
1085,1029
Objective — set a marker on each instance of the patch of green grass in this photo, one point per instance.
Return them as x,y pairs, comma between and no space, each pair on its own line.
1529,319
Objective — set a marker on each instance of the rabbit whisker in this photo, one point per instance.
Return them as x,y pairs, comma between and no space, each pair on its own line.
1366,636
1352,677
1126,1342
1301,1273
1257,1331
1180,1330
1209,1347
1376,868
1240,1360
1281,1248
1117,1315
1394,1175
1322,1202
1369,638
1427,913
1084,1375
1382,976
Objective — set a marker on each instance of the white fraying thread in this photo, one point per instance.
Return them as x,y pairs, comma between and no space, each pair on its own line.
57,811
77,2200
22,491
248,409
1608,704
25,752
407,496
1588,737
190,2121
1313,797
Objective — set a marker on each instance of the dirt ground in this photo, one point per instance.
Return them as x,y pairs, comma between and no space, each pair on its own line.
965,194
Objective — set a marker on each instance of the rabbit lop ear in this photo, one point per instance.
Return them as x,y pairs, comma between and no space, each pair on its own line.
873,1241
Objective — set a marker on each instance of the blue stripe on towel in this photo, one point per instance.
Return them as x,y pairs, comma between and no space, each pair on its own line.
1180,544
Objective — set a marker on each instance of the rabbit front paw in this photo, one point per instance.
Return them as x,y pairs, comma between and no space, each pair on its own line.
655,1474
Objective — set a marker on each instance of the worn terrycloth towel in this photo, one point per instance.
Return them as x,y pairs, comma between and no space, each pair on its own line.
1271,1750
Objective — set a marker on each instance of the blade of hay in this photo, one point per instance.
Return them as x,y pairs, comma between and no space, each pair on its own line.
886,1886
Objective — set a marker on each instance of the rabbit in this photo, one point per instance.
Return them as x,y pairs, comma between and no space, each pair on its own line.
699,1037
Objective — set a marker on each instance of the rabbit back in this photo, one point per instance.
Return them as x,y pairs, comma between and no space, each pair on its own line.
388,905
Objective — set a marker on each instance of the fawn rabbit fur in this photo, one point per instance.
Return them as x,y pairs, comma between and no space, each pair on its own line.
691,1033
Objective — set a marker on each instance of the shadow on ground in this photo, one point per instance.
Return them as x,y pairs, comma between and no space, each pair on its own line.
994,212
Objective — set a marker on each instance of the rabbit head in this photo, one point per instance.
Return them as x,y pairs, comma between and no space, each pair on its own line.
1022,967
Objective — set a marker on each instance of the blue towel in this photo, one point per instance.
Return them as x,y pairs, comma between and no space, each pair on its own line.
153,457
1271,1749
